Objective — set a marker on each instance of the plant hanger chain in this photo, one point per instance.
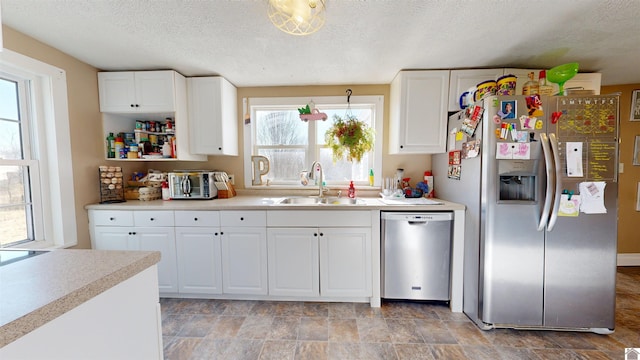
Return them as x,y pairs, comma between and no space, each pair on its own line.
348,113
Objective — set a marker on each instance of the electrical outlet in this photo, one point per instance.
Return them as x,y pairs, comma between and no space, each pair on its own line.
232,179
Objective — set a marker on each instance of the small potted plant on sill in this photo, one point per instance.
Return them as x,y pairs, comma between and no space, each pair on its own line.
349,137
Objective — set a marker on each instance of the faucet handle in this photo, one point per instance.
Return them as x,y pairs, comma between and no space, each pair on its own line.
339,193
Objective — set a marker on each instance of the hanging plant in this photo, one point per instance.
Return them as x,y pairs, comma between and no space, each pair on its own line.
349,137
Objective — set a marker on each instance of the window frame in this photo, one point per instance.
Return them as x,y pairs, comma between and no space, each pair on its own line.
51,141
250,105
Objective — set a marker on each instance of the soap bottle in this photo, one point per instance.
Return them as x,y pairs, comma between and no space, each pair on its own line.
370,177
352,190
544,88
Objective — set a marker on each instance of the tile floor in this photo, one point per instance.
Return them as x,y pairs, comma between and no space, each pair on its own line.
226,329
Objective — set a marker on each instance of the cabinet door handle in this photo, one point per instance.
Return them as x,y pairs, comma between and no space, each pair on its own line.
315,234
321,234
401,146
221,233
220,148
216,234
111,218
133,105
151,219
137,105
241,219
195,219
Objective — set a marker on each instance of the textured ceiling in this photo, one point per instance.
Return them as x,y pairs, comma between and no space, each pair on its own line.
362,42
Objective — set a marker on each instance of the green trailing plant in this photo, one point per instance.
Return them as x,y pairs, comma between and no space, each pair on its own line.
349,137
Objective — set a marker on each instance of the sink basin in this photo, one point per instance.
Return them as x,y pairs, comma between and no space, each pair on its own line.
339,201
301,200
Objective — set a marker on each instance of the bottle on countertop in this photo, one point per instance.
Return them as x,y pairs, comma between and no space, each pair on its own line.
370,177
531,87
544,88
165,191
352,190
111,146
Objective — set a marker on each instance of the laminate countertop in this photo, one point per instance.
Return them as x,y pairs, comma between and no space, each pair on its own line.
245,202
37,290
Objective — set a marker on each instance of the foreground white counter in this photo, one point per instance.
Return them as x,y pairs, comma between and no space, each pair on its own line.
79,304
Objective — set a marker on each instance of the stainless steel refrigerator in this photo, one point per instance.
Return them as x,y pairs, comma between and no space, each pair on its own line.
524,265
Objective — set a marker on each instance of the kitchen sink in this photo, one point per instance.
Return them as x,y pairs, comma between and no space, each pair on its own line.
300,200
312,200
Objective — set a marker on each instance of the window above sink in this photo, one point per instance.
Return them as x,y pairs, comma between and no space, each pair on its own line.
292,145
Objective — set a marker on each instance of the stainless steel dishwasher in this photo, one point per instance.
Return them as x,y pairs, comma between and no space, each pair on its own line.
416,255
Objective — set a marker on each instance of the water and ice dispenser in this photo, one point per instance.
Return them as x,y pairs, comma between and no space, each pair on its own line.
518,180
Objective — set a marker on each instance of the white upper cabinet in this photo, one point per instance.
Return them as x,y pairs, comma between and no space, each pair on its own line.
418,112
213,116
137,91
461,80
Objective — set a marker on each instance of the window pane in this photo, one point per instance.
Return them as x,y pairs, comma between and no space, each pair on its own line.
12,185
323,126
15,209
13,224
343,170
10,140
284,164
280,128
8,99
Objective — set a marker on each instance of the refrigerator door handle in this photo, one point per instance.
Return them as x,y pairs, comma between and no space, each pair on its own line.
548,162
558,180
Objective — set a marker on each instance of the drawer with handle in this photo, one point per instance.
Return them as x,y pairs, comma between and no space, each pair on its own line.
112,217
153,218
197,218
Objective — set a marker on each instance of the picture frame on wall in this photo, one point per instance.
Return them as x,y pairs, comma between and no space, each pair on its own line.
635,105
636,151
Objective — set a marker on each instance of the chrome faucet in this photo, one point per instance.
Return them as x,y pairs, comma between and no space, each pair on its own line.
312,175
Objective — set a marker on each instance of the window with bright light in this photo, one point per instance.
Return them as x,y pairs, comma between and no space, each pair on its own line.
292,145
37,206
18,169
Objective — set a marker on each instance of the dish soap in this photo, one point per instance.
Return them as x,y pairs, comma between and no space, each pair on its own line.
352,190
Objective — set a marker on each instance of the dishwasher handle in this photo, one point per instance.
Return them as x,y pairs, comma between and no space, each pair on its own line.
417,222
416,216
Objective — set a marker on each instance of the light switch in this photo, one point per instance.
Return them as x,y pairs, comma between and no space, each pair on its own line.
620,168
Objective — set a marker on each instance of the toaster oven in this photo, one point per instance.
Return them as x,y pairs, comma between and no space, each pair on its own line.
192,185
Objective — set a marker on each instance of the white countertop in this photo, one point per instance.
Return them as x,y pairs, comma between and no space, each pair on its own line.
253,202
37,290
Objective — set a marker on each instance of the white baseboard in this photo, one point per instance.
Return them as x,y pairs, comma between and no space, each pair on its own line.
629,259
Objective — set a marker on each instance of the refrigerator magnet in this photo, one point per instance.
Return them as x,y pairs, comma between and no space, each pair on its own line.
526,122
569,205
574,159
534,105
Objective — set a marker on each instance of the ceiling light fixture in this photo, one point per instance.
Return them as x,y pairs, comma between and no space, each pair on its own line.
297,17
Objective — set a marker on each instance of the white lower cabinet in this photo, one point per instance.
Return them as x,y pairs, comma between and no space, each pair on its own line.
160,239
345,262
299,254
326,261
244,252
293,262
198,252
199,260
118,230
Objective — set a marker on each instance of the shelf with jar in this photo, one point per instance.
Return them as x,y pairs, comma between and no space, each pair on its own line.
150,137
